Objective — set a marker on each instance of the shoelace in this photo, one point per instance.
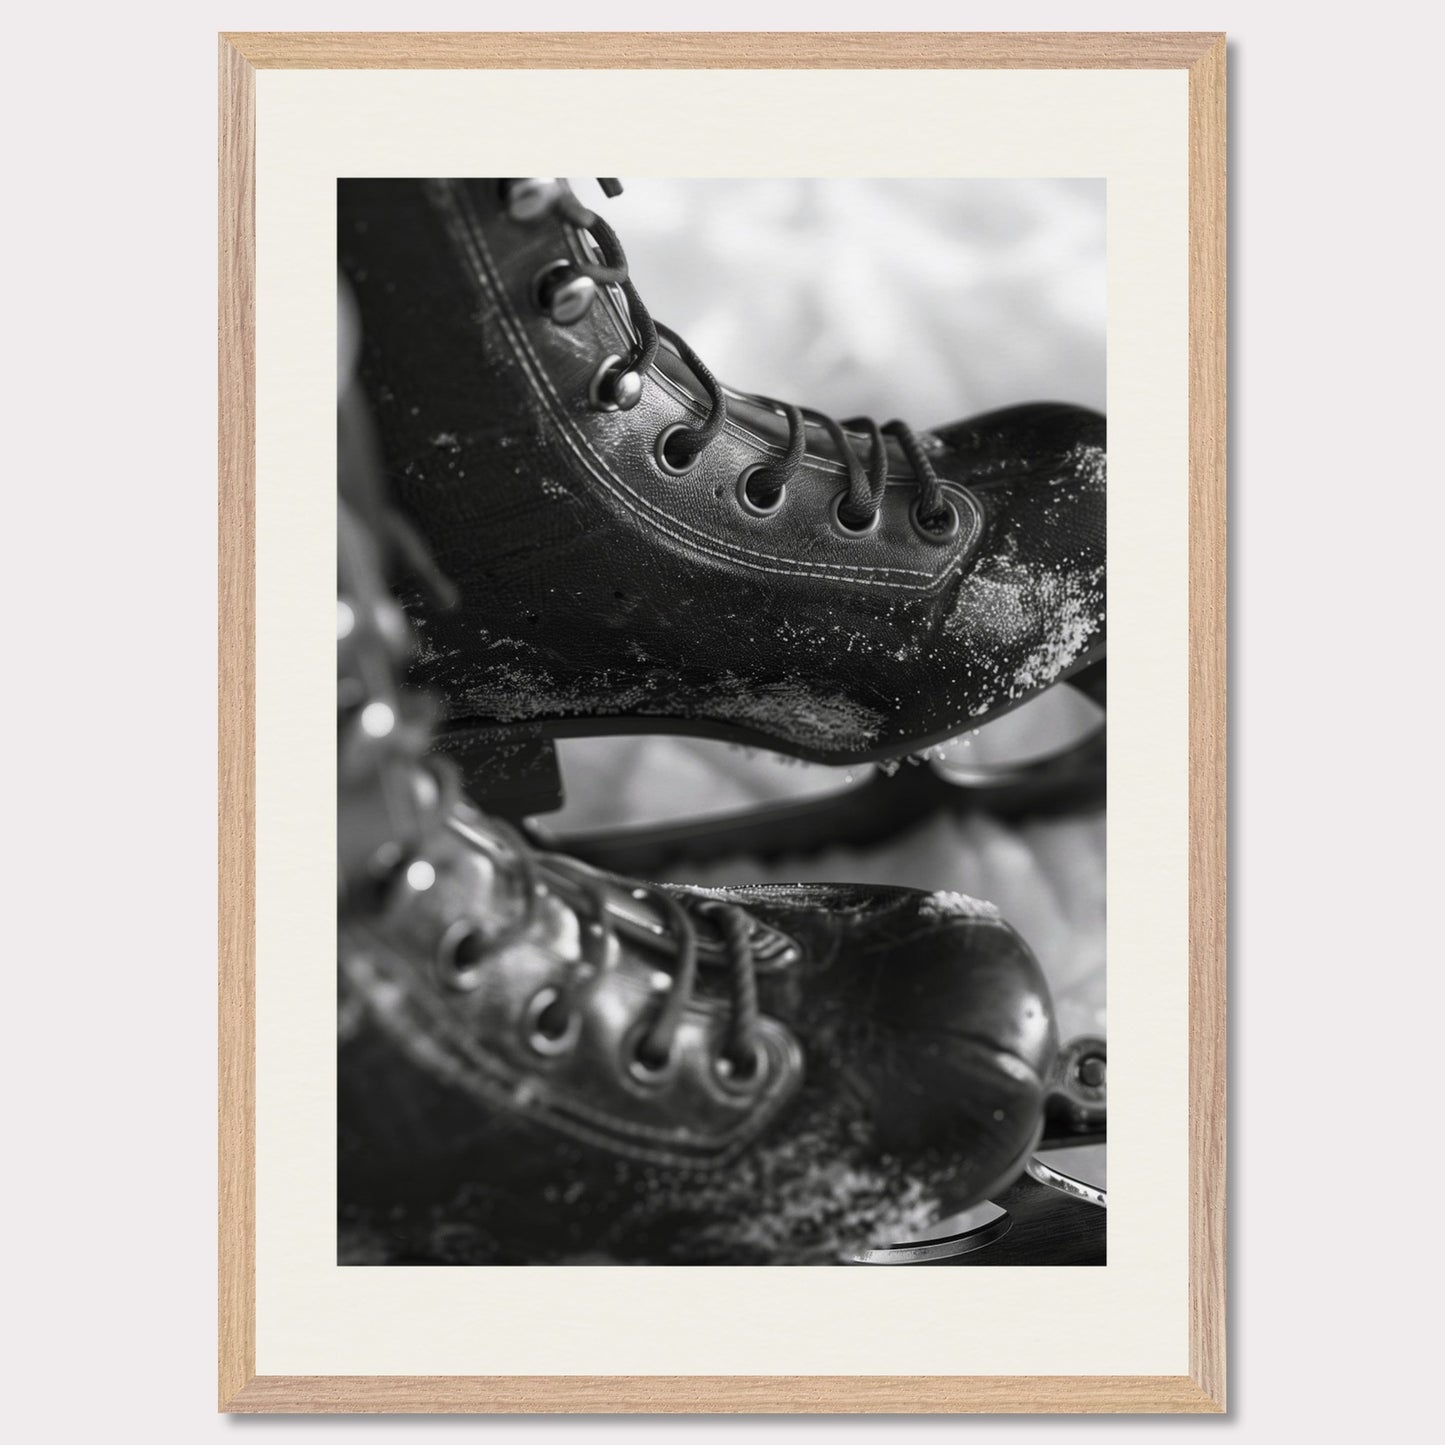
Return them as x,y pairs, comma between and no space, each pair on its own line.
856,510
534,875
575,882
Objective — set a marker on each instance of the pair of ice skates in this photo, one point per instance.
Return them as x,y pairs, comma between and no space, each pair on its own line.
542,1060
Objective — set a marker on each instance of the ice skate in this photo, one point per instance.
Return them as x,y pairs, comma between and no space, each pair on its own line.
637,548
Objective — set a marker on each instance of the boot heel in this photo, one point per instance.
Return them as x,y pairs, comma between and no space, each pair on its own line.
511,772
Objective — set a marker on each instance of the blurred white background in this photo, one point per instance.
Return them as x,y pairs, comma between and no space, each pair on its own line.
926,299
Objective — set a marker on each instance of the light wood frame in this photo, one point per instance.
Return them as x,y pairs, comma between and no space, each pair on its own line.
1202,1389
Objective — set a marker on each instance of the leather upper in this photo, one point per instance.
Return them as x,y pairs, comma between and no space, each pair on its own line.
595,584
923,1038
922,1018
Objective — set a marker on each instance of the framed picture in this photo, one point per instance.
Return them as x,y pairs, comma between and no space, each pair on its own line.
731,867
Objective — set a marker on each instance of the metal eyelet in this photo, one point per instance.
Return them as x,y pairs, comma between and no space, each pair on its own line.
639,1070
563,293
461,954
935,534
614,387
843,529
651,1075
757,509
539,1040
659,451
726,1072
529,199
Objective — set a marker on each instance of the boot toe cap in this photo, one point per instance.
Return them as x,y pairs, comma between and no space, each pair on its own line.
973,1040
1030,604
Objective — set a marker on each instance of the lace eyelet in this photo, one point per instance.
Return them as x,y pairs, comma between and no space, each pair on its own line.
746,502
935,534
461,954
651,1075
727,1073
529,199
539,1038
843,529
614,386
659,451
640,1070
562,293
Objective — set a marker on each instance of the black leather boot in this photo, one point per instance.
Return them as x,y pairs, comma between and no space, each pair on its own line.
637,548
547,1062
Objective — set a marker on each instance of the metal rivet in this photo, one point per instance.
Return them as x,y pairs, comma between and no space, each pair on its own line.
614,386
530,199
563,293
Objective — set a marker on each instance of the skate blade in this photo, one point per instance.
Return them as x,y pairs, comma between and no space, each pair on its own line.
1079,1173
1071,1176
975,1228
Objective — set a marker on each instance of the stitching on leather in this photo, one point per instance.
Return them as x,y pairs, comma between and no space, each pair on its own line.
469,233
591,1126
640,507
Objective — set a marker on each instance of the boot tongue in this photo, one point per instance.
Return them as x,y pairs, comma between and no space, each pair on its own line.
633,911
495,870
638,915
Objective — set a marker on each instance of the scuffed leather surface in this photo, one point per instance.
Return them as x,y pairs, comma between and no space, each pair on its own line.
924,1029
934,1008
594,585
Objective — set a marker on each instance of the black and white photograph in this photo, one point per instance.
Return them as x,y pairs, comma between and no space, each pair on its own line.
721,768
